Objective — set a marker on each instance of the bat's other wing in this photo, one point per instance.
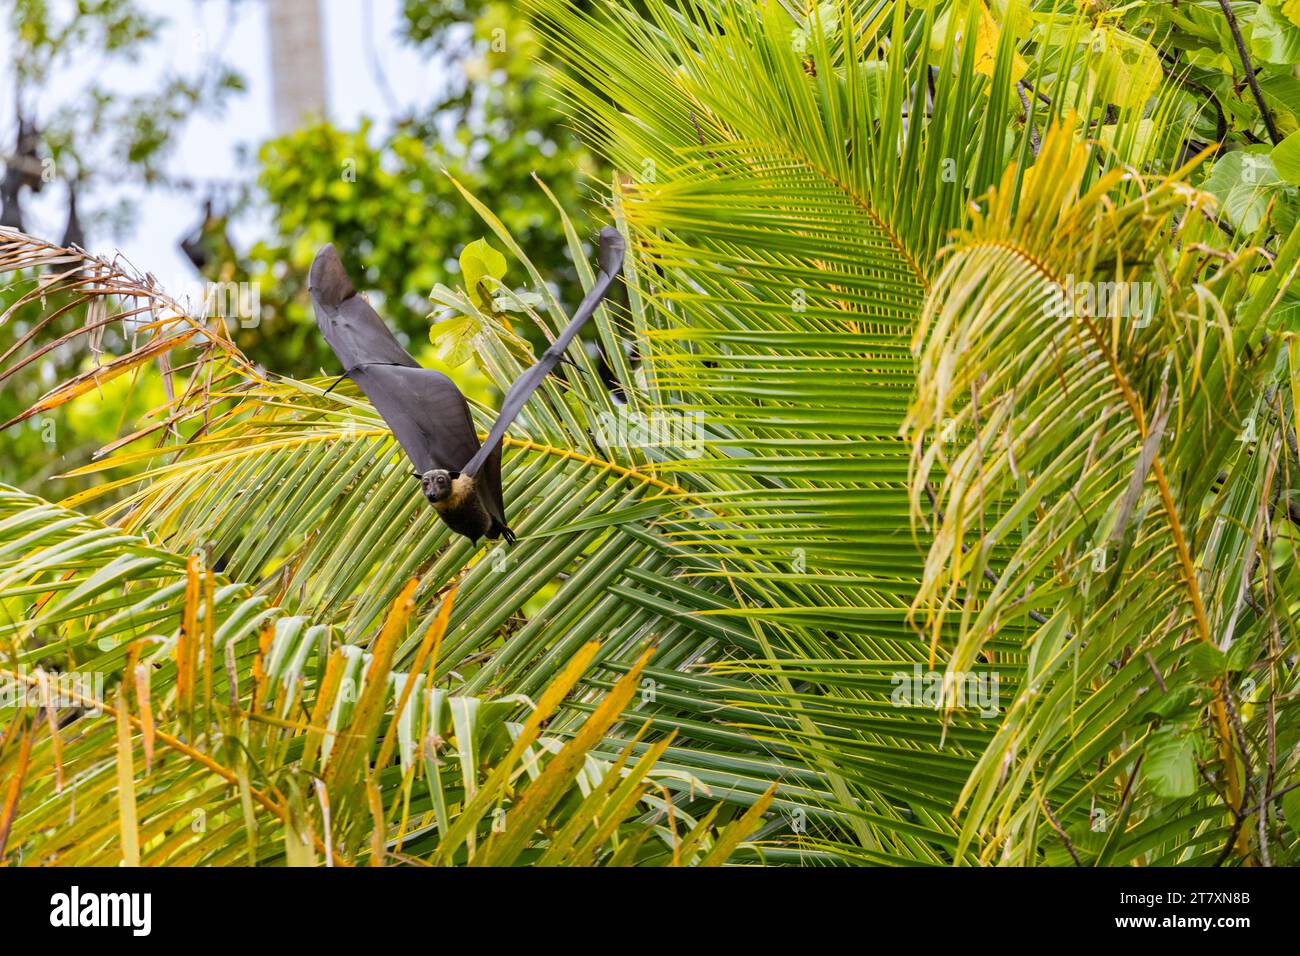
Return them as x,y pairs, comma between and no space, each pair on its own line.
425,410
610,260
352,328
489,489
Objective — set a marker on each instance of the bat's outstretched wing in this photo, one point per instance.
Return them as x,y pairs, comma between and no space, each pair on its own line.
424,408
610,260
352,328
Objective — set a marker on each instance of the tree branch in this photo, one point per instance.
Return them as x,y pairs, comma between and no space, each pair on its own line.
1251,81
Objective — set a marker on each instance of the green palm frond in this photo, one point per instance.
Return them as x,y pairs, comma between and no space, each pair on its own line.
1104,457
239,733
786,197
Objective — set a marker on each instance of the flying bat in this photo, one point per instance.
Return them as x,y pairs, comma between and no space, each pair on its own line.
426,411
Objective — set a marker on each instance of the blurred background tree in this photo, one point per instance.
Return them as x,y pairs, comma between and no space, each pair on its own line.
98,135
86,144
385,197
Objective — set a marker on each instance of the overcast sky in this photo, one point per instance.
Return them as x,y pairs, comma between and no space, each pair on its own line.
208,146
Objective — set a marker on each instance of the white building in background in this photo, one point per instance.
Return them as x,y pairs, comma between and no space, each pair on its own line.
297,61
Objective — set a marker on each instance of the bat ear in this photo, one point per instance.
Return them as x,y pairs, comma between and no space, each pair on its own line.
453,475
612,248
328,281
415,474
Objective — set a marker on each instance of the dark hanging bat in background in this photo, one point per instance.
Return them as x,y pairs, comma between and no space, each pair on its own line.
426,411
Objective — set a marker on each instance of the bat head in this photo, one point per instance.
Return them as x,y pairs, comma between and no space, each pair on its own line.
436,484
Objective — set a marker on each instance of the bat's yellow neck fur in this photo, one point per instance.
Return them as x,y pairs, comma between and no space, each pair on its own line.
461,488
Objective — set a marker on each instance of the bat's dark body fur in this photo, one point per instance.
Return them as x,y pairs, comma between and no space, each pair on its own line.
426,411
465,514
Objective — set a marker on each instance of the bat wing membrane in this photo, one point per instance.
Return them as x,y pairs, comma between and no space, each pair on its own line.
489,485
352,328
426,411
424,408
611,261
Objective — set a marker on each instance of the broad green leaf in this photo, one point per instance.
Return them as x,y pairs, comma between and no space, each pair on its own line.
1273,37
482,267
454,339
1286,159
